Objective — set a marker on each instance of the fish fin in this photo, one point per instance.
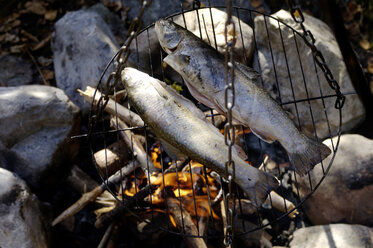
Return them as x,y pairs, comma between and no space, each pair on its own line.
249,72
262,136
264,184
304,160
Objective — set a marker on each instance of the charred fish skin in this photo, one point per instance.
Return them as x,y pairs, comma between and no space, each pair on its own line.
203,70
170,120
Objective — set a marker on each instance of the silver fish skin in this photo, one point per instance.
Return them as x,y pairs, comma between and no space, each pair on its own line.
170,120
203,70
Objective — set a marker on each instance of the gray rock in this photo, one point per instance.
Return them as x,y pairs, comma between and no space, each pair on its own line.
346,193
353,110
82,45
156,10
112,20
333,236
21,222
36,124
14,71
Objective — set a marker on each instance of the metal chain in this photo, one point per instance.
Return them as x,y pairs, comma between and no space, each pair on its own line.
308,38
229,129
120,58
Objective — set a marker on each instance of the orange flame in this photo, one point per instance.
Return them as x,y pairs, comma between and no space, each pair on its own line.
189,186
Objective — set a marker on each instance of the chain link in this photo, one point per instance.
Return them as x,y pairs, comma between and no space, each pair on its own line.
310,41
121,58
229,129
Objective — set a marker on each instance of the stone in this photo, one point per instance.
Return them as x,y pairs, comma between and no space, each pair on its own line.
346,193
82,45
22,224
36,124
244,46
333,236
14,71
156,10
282,76
112,20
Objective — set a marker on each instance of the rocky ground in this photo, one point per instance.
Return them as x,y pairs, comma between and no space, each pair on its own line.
49,49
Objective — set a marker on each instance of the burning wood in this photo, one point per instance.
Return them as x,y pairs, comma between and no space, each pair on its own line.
182,219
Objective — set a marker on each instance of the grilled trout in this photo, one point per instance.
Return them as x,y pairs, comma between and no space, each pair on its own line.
203,70
172,121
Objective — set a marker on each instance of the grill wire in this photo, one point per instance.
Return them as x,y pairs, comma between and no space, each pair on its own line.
101,136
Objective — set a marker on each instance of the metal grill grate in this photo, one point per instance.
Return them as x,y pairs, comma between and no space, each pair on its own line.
101,136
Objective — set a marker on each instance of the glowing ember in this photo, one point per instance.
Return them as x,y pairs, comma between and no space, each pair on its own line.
189,187
155,154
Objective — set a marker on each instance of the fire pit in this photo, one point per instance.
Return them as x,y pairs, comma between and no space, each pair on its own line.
191,197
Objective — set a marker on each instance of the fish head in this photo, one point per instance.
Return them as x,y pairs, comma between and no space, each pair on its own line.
133,78
169,34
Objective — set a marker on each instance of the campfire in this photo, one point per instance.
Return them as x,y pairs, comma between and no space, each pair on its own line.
187,193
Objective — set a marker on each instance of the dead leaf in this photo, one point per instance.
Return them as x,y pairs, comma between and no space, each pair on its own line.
43,61
35,7
8,37
364,43
29,36
48,74
50,15
42,43
255,3
18,48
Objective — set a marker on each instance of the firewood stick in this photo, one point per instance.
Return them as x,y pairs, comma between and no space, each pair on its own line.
105,219
110,160
106,236
93,194
245,207
133,142
203,224
223,217
279,202
80,181
113,108
184,221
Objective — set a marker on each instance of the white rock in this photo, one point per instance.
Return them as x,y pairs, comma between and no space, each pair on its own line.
333,236
36,124
21,224
82,45
346,193
353,110
244,40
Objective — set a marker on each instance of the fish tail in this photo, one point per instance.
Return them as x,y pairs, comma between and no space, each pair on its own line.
258,187
313,153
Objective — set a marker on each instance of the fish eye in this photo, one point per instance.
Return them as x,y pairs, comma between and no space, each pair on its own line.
169,24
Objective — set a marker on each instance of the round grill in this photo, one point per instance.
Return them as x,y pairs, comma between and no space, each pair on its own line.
188,194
